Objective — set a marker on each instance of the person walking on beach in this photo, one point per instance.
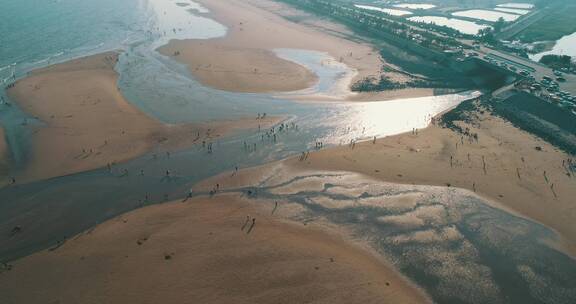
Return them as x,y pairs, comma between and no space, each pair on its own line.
251,226
245,223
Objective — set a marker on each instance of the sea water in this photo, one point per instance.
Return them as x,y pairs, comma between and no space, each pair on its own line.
36,33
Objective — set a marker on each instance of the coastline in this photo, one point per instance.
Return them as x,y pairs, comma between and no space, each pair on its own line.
198,251
403,219
89,124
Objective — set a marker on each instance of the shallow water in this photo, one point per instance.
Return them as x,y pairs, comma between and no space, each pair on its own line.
36,33
333,76
487,15
463,26
389,11
564,46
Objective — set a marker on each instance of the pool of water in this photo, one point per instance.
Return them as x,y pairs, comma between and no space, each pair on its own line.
333,76
415,6
512,10
389,11
526,6
563,46
463,26
487,15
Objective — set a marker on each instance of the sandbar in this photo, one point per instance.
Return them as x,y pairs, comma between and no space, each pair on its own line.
245,54
87,123
201,251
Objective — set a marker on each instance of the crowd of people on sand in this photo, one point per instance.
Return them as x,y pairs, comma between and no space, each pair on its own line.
570,166
272,134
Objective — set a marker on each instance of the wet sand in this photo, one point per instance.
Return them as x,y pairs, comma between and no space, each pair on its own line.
197,252
253,32
88,123
458,245
393,94
523,173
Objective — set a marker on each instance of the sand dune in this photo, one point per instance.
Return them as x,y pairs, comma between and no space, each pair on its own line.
197,252
89,124
253,31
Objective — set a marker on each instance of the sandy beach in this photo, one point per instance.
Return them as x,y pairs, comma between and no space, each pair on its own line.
245,53
522,173
205,251
89,124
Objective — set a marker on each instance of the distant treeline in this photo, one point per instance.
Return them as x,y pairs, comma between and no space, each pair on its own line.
384,83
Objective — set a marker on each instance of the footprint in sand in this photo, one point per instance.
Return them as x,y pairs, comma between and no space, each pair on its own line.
141,241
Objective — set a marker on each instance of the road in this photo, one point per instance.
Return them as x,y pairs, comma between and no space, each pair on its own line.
538,70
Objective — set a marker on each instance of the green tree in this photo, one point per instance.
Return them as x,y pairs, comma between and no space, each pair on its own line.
499,25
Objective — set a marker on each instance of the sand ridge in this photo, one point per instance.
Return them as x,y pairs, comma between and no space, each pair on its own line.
205,250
